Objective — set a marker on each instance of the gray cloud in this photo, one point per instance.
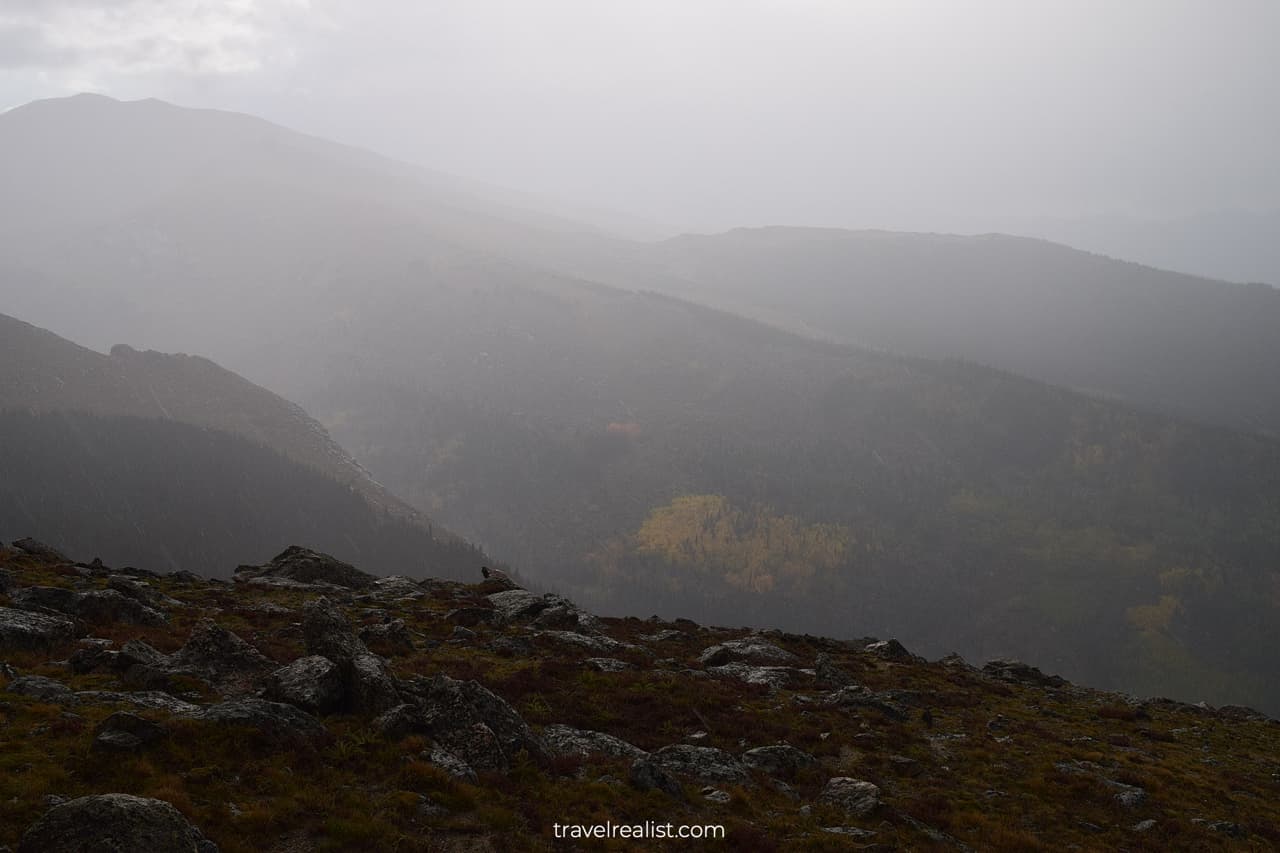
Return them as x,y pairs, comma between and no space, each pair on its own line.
904,113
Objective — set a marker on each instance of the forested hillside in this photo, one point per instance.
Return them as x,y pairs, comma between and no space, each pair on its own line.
167,496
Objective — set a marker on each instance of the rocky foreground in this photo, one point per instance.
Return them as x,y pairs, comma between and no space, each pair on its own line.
310,706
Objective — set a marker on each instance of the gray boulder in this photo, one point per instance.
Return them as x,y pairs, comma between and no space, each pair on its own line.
105,606
568,741
472,722
854,796
515,604
892,650
366,684
313,683
752,649
42,689
24,630
219,656
827,674
36,548
392,636
100,605
154,700
646,774
280,723
114,823
778,760
126,732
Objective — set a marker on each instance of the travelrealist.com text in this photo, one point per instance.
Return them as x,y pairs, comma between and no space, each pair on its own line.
647,830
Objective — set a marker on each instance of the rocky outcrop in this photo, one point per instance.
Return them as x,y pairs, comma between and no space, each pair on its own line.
24,630
1021,673
854,796
301,567
114,823
100,606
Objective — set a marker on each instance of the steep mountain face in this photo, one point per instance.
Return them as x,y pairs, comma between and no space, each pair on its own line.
1174,343
647,454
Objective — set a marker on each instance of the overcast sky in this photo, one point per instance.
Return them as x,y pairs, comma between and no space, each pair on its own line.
711,113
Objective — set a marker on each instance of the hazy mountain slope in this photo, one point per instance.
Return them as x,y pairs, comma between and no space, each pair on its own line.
1176,343
166,496
41,372
648,454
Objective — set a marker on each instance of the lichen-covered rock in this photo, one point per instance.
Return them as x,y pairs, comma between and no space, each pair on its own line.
704,763
36,548
114,823
752,649
646,774
277,721
568,741
514,604
102,606
42,689
109,606
301,566
1021,673
216,654
827,674
366,684
854,796
46,599
155,700
327,633
402,720
396,588
126,732
391,637
451,764
313,683
454,711
770,676
778,760
892,650
24,630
